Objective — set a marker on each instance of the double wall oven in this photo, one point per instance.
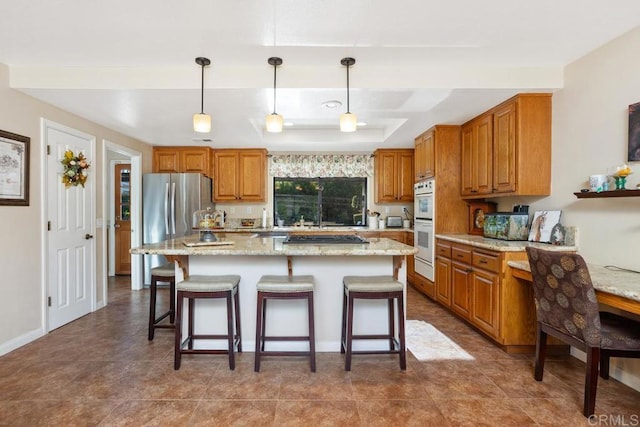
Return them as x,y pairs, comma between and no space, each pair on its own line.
424,239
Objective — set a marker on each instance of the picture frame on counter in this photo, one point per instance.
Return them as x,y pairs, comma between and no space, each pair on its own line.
542,225
14,169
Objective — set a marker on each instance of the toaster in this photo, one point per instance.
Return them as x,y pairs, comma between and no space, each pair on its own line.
394,222
506,225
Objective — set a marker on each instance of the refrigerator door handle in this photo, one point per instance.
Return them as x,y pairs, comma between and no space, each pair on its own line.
173,208
166,209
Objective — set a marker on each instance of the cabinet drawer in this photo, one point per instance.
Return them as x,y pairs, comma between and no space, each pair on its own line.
443,250
461,254
486,261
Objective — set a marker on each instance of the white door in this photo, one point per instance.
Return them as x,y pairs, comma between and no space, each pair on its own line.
70,213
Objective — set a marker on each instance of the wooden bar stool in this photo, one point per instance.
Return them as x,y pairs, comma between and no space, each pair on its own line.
208,287
373,287
284,288
163,273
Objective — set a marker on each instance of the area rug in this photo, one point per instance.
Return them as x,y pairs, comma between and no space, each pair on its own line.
426,342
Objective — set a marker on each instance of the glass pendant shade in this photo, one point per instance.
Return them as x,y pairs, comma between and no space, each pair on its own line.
348,122
274,123
202,122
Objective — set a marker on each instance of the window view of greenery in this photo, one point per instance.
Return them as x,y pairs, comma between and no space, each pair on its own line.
321,201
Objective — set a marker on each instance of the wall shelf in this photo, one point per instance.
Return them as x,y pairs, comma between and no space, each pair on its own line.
611,193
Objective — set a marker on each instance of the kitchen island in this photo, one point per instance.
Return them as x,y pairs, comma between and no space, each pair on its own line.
251,257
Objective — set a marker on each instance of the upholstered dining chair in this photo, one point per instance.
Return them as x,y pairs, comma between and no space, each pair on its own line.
567,309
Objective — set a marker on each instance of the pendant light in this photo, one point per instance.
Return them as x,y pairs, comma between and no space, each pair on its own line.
202,121
274,120
348,120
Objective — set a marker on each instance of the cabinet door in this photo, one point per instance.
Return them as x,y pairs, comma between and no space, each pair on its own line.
443,280
166,160
195,160
504,149
410,260
460,288
251,176
419,159
484,301
466,162
482,159
429,155
405,176
225,180
385,176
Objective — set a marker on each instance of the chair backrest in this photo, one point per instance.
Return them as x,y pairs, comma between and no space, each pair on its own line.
564,295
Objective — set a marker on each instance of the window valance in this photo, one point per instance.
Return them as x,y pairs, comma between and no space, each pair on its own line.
321,165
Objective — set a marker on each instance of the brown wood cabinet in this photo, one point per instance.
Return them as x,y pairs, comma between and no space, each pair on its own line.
411,271
182,159
240,175
394,177
424,162
476,169
484,292
506,151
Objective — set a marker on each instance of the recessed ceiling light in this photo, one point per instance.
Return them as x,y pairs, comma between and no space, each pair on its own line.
288,124
331,104
362,123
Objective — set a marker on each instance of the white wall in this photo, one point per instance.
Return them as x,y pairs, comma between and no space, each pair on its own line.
590,133
21,289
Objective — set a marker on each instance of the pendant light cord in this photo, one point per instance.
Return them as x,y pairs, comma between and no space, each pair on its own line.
348,111
274,88
202,91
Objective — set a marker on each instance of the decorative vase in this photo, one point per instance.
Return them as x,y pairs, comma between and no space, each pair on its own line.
621,181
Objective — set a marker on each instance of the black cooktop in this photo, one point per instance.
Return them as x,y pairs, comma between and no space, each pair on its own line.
324,239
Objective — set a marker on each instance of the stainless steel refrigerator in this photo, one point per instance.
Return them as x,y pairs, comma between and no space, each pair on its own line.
168,204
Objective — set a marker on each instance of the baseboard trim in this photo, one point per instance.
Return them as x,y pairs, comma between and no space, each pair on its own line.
18,342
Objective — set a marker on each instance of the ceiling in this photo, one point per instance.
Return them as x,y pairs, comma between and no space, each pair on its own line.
130,65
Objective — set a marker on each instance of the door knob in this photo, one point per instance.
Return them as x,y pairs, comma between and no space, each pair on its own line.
88,236
117,226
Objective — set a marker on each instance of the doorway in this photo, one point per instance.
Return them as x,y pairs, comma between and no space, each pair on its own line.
115,155
122,220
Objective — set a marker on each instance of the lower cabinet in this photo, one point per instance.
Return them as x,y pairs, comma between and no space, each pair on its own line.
477,285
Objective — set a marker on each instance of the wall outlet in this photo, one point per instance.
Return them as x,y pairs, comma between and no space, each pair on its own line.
232,210
386,209
249,209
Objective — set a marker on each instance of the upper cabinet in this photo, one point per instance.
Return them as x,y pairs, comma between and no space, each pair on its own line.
507,150
240,175
394,175
182,159
425,156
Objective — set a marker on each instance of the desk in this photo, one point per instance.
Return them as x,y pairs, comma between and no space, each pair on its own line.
619,289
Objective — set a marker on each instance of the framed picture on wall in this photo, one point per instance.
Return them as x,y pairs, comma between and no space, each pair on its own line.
634,132
14,169
542,225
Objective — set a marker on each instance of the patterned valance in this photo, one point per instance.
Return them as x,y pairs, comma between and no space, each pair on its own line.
321,165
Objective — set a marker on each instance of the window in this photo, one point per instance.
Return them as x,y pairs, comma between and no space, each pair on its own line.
322,201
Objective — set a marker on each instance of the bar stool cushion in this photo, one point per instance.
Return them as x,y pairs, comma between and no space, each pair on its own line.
166,270
285,284
371,284
198,283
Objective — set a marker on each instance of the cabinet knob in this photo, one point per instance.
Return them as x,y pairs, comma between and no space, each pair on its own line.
469,270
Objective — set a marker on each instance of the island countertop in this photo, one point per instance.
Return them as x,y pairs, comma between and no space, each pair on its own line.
249,245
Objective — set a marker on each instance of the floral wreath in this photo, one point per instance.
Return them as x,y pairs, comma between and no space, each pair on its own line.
75,169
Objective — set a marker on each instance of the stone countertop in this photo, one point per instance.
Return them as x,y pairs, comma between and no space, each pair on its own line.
623,283
249,245
500,245
346,230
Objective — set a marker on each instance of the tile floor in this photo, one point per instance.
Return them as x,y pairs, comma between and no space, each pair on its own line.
101,370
